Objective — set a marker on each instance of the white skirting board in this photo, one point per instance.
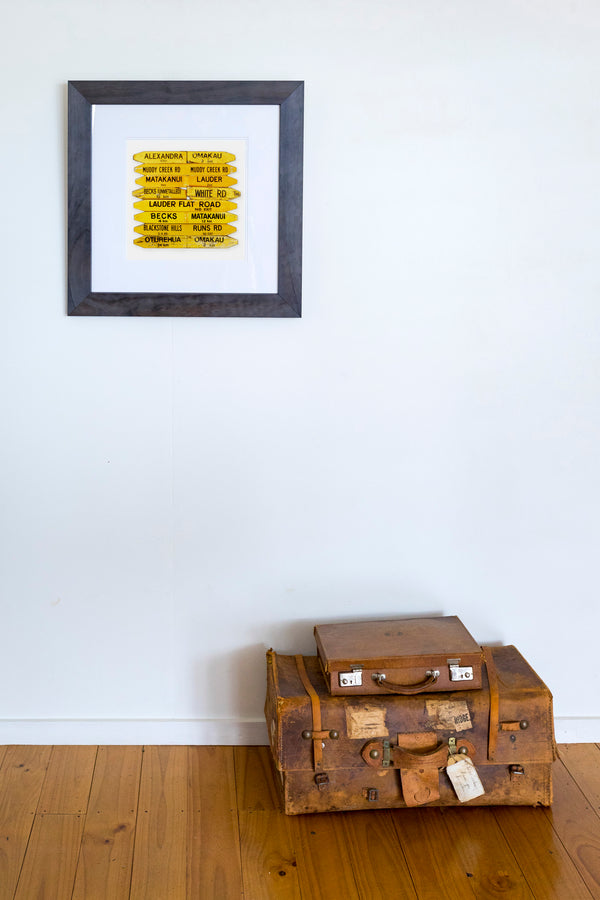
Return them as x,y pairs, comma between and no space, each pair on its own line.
198,731
204,732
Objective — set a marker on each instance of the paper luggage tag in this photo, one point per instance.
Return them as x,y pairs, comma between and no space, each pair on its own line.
465,780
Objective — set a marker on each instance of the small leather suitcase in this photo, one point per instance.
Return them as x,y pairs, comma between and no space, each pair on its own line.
401,656
342,753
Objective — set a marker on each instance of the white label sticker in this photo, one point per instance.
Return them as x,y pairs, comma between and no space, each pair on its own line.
465,780
451,715
366,721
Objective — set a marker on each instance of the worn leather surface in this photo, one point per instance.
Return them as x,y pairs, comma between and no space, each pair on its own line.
404,650
522,697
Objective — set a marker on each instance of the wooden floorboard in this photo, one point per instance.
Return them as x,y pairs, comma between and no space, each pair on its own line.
68,781
577,824
160,852
378,864
255,779
583,764
182,823
213,839
550,872
21,779
323,858
434,863
106,858
50,864
485,854
269,866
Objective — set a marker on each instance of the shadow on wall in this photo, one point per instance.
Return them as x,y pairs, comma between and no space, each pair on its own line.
239,678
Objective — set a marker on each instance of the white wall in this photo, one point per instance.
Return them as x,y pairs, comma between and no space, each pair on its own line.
178,495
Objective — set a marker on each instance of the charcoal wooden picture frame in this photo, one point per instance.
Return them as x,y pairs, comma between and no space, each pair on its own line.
286,300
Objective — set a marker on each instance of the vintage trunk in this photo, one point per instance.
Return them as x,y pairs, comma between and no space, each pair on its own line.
342,753
399,656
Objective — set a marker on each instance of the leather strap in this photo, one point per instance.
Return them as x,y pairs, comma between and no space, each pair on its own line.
420,786
316,714
494,702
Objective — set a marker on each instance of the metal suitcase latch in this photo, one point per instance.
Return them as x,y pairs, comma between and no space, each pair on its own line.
458,672
352,678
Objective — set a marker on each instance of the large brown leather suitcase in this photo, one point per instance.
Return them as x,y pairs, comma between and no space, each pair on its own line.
399,656
342,753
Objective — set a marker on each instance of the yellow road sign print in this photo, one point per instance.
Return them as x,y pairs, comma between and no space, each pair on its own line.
196,228
212,193
203,216
186,180
183,156
185,199
184,169
185,242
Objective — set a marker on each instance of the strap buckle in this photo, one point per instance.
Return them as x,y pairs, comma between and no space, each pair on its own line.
321,780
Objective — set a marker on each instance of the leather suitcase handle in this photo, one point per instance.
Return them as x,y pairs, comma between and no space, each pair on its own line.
430,678
379,754
409,759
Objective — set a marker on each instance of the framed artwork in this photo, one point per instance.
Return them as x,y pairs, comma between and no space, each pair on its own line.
185,198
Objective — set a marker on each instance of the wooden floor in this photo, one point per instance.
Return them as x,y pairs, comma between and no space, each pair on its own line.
203,822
